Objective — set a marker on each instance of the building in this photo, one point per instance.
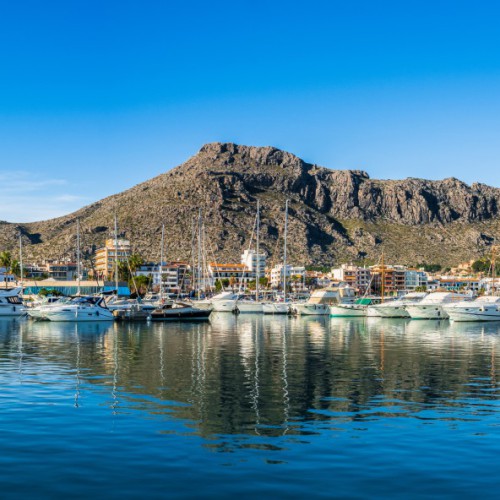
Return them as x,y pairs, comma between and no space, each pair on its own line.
238,274
254,262
107,256
295,276
174,276
357,277
62,271
6,277
415,278
394,279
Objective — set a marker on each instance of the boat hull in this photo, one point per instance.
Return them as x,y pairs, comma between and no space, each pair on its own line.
387,312
473,314
311,309
80,317
249,307
347,311
12,310
426,312
275,308
183,314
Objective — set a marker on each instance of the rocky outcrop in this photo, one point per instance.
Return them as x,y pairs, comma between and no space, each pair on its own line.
334,214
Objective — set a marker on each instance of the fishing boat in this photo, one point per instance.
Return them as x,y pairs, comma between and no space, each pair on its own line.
179,311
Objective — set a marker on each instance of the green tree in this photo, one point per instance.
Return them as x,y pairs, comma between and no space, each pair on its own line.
135,261
141,282
5,259
15,268
123,271
421,288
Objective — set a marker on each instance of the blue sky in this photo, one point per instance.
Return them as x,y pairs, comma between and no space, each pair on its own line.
98,96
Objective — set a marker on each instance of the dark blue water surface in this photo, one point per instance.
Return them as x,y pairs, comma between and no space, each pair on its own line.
250,406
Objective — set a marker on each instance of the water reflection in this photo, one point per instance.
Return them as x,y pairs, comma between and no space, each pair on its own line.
260,375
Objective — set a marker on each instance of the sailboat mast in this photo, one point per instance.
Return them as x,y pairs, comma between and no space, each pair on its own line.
199,252
257,249
284,251
116,255
78,264
161,260
382,291
493,268
21,272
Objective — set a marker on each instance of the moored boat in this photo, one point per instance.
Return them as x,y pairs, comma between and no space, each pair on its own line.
81,309
11,303
432,306
395,308
486,308
179,311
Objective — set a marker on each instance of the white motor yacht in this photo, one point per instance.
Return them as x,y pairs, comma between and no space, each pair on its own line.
11,303
319,302
37,311
432,306
395,308
81,309
486,308
222,302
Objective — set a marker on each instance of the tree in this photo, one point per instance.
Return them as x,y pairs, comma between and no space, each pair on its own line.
421,288
141,282
15,268
263,281
123,271
5,259
135,261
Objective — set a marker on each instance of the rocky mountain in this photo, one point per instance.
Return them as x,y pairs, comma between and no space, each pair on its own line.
335,215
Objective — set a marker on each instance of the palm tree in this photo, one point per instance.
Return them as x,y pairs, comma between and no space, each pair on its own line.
15,268
135,261
5,259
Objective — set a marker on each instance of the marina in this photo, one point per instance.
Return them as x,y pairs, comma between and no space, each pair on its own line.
295,405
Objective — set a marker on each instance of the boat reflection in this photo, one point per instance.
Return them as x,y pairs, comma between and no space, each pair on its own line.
263,375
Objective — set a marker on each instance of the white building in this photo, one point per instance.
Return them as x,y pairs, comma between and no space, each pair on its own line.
6,277
415,278
173,276
296,272
254,262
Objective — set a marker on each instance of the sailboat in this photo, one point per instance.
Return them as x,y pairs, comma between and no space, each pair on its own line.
80,309
275,307
247,305
174,310
221,302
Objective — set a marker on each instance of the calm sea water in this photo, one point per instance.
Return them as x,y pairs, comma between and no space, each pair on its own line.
250,406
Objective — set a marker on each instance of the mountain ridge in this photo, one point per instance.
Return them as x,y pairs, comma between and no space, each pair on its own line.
335,215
